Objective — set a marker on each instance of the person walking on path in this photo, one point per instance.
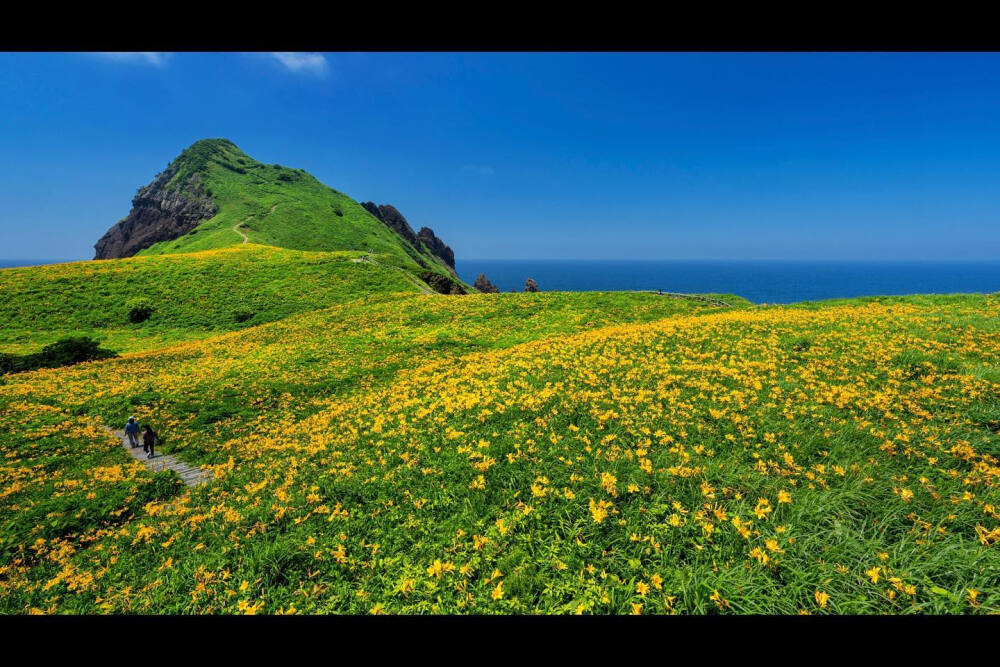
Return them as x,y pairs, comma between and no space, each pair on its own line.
148,440
132,431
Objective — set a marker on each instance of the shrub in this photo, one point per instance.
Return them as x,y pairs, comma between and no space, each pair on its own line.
232,167
139,310
73,350
63,352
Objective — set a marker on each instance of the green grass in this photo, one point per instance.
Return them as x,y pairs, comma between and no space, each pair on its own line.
243,385
220,388
347,441
283,207
74,450
194,295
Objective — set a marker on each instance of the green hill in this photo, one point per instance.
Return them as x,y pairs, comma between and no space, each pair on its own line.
213,195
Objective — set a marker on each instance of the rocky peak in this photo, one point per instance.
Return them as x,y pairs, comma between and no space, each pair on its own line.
437,246
161,211
393,219
372,208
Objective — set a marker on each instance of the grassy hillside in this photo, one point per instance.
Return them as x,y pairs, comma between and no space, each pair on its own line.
588,453
235,384
378,449
193,295
280,206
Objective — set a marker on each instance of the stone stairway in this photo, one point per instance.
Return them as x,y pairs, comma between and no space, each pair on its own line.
191,475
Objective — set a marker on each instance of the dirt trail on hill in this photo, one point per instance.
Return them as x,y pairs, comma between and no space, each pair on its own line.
236,228
240,224
191,475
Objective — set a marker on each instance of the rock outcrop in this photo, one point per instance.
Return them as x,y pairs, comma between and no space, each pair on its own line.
393,219
160,212
484,285
372,208
441,283
437,247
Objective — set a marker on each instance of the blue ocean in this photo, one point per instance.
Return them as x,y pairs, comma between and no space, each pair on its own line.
769,281
11,263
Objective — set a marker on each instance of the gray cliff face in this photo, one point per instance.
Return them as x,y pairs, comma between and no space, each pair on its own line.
157,214
372,208
437,246
394,220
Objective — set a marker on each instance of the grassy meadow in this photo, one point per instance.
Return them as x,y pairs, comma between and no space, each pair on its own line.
193,295
377,450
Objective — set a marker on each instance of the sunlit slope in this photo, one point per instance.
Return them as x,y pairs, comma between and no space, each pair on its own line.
489,458
203,395
236,384
280,206
193,295
766,461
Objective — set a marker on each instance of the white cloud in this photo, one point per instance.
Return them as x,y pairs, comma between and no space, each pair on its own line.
154,58
312,63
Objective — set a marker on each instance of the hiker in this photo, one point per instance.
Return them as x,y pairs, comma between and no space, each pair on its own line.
148,440
132,431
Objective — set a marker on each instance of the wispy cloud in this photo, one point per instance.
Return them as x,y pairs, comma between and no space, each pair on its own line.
154,58
483,169
308,63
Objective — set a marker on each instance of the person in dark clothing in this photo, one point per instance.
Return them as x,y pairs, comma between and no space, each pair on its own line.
148,440
132,431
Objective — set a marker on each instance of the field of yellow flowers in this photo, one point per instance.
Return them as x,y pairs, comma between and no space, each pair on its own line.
546,453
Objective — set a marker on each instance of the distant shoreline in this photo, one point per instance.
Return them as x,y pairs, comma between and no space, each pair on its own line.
18,263
759,281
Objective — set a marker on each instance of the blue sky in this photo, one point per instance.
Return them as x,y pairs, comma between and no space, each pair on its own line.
649,156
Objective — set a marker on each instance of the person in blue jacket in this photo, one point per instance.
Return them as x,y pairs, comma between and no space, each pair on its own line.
132,431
